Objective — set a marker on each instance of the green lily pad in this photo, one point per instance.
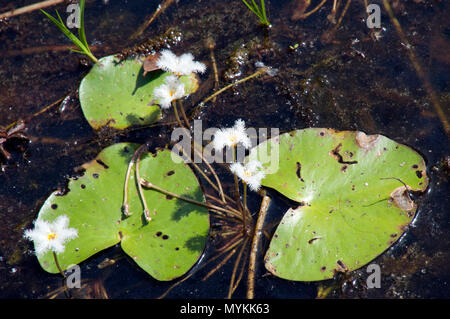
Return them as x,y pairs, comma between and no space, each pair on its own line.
115,93
352,204
166,247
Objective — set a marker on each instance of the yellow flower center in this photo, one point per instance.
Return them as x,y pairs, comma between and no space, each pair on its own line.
51,236
248,174
233,139
171,93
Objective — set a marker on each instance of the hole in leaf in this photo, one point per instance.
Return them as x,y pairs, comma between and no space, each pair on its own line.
83,186
54,206
95,175
102,163
342,266
340,159
165,237
298,172
170,173
158,234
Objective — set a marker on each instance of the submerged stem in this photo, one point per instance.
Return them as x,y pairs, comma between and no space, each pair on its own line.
183,114
148,184
245,207
175,111
218,188
236,265
141,190
211,169
58,266
418,68
229,86
125,204
254,248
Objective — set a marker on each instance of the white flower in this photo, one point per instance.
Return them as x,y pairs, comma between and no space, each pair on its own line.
51,236
232,136
171,90
251,173
180,65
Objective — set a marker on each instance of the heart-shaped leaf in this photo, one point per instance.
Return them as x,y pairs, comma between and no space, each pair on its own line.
353,204
117,94
166,247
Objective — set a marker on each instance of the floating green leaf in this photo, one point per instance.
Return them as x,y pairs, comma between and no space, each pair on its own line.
166,247
115,93
353,204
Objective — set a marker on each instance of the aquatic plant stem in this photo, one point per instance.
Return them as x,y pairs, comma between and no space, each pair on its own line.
211,169
58,266
236,265
30,8
193,272
212,96
305,15
147,184
217,187
254,247
175,111
125,204
211,45
140,189
242,270
198,152
419,71
160,9
244,200
66,291
343,14
183,114
223,262
237,195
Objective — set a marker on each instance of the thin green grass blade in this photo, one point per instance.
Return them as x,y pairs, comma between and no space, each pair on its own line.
81,44
257,9
250,7
263,10
81,32
64,29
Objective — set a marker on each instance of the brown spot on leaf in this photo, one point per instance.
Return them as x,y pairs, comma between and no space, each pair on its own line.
401,199
367,142
341,267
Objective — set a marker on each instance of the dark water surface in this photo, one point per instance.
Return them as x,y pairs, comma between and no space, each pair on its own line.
353,83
